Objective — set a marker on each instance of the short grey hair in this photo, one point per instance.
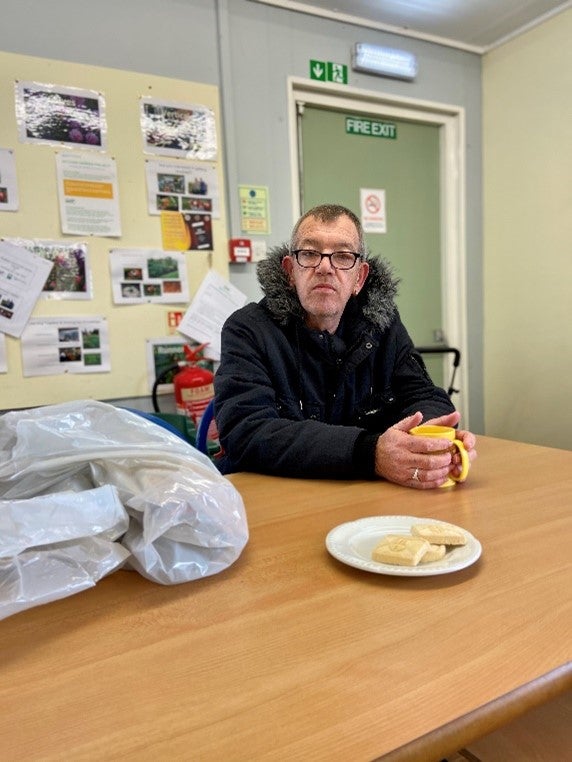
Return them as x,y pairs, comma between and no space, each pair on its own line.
330,213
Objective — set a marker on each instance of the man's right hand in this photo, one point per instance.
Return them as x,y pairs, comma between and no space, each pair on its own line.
412,461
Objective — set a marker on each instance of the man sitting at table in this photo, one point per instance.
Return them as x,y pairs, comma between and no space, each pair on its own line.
320,378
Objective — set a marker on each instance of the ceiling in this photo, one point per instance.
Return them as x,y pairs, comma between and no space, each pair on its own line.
475,25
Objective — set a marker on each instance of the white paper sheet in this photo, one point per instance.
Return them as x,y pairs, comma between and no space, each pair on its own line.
184,130
88,194
182,187
148,275
70,276
74,344
57,115
22,278
9,201
214,301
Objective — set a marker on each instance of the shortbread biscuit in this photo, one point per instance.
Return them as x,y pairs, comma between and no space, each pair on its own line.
439,534
435,553
400,549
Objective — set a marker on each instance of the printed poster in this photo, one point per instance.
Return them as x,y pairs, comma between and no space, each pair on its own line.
182,187
59,115
163,354
9,201
58,345
22,277
88,194
372,206
254,211
191,231
148,275
70,276
183,130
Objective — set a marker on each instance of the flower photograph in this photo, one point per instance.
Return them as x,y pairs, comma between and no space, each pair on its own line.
48,114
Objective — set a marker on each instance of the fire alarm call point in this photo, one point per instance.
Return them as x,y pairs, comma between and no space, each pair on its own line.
240,250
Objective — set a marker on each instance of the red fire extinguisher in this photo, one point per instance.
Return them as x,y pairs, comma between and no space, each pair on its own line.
193,385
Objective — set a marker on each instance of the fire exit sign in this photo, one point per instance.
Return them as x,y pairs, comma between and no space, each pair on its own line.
357,125
327,71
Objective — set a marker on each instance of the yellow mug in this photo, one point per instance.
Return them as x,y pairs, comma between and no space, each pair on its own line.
446,432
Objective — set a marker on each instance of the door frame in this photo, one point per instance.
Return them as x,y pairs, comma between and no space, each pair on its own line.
451,121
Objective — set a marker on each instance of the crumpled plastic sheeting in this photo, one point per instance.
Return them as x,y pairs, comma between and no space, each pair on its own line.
60,517
186,520
43,575
56,545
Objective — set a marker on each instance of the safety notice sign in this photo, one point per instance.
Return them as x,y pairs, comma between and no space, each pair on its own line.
372,206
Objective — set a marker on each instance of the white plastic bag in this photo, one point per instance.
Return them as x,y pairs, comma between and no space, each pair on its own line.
41,576
186,520
55,545
60,517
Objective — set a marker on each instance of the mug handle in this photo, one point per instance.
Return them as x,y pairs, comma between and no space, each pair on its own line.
465,462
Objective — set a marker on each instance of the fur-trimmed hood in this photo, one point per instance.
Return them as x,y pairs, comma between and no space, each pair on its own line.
376,298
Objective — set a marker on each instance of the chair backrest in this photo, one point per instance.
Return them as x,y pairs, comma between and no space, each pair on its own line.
203,428
445,350
165,423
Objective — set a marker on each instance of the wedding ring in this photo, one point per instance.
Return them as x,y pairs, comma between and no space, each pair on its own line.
415,476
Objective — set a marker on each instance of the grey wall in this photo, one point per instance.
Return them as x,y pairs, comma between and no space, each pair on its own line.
169,38
249,50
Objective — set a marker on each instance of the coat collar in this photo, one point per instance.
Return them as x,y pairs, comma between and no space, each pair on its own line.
375,300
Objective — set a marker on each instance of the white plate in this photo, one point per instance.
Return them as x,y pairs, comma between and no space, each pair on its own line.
353,542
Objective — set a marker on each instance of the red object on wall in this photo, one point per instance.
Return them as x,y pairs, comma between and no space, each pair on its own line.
240,250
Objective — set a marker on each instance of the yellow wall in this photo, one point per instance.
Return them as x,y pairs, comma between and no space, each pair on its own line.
527,138
38,217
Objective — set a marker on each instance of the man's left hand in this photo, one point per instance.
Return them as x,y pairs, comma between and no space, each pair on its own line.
468,439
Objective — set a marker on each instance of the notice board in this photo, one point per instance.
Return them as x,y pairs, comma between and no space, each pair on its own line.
123,98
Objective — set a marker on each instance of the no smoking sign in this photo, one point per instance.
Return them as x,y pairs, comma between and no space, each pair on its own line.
372,203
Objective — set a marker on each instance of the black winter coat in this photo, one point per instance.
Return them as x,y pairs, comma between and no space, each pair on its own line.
291,401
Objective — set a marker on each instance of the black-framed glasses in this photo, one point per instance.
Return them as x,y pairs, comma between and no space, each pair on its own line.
340,260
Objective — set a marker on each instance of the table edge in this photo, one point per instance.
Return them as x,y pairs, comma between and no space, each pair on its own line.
485,719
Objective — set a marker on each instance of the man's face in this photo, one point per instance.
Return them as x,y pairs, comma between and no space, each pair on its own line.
324,291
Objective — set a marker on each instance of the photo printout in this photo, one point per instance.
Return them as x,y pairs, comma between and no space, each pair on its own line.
76,344
184,130
70,276
22,278
182,187
162,356
56,115
148,275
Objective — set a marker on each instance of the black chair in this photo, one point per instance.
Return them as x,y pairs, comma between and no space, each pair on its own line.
445,350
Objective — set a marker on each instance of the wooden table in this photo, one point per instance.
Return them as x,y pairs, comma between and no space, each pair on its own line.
290,654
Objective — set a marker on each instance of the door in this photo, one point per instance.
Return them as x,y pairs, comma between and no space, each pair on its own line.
403,161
